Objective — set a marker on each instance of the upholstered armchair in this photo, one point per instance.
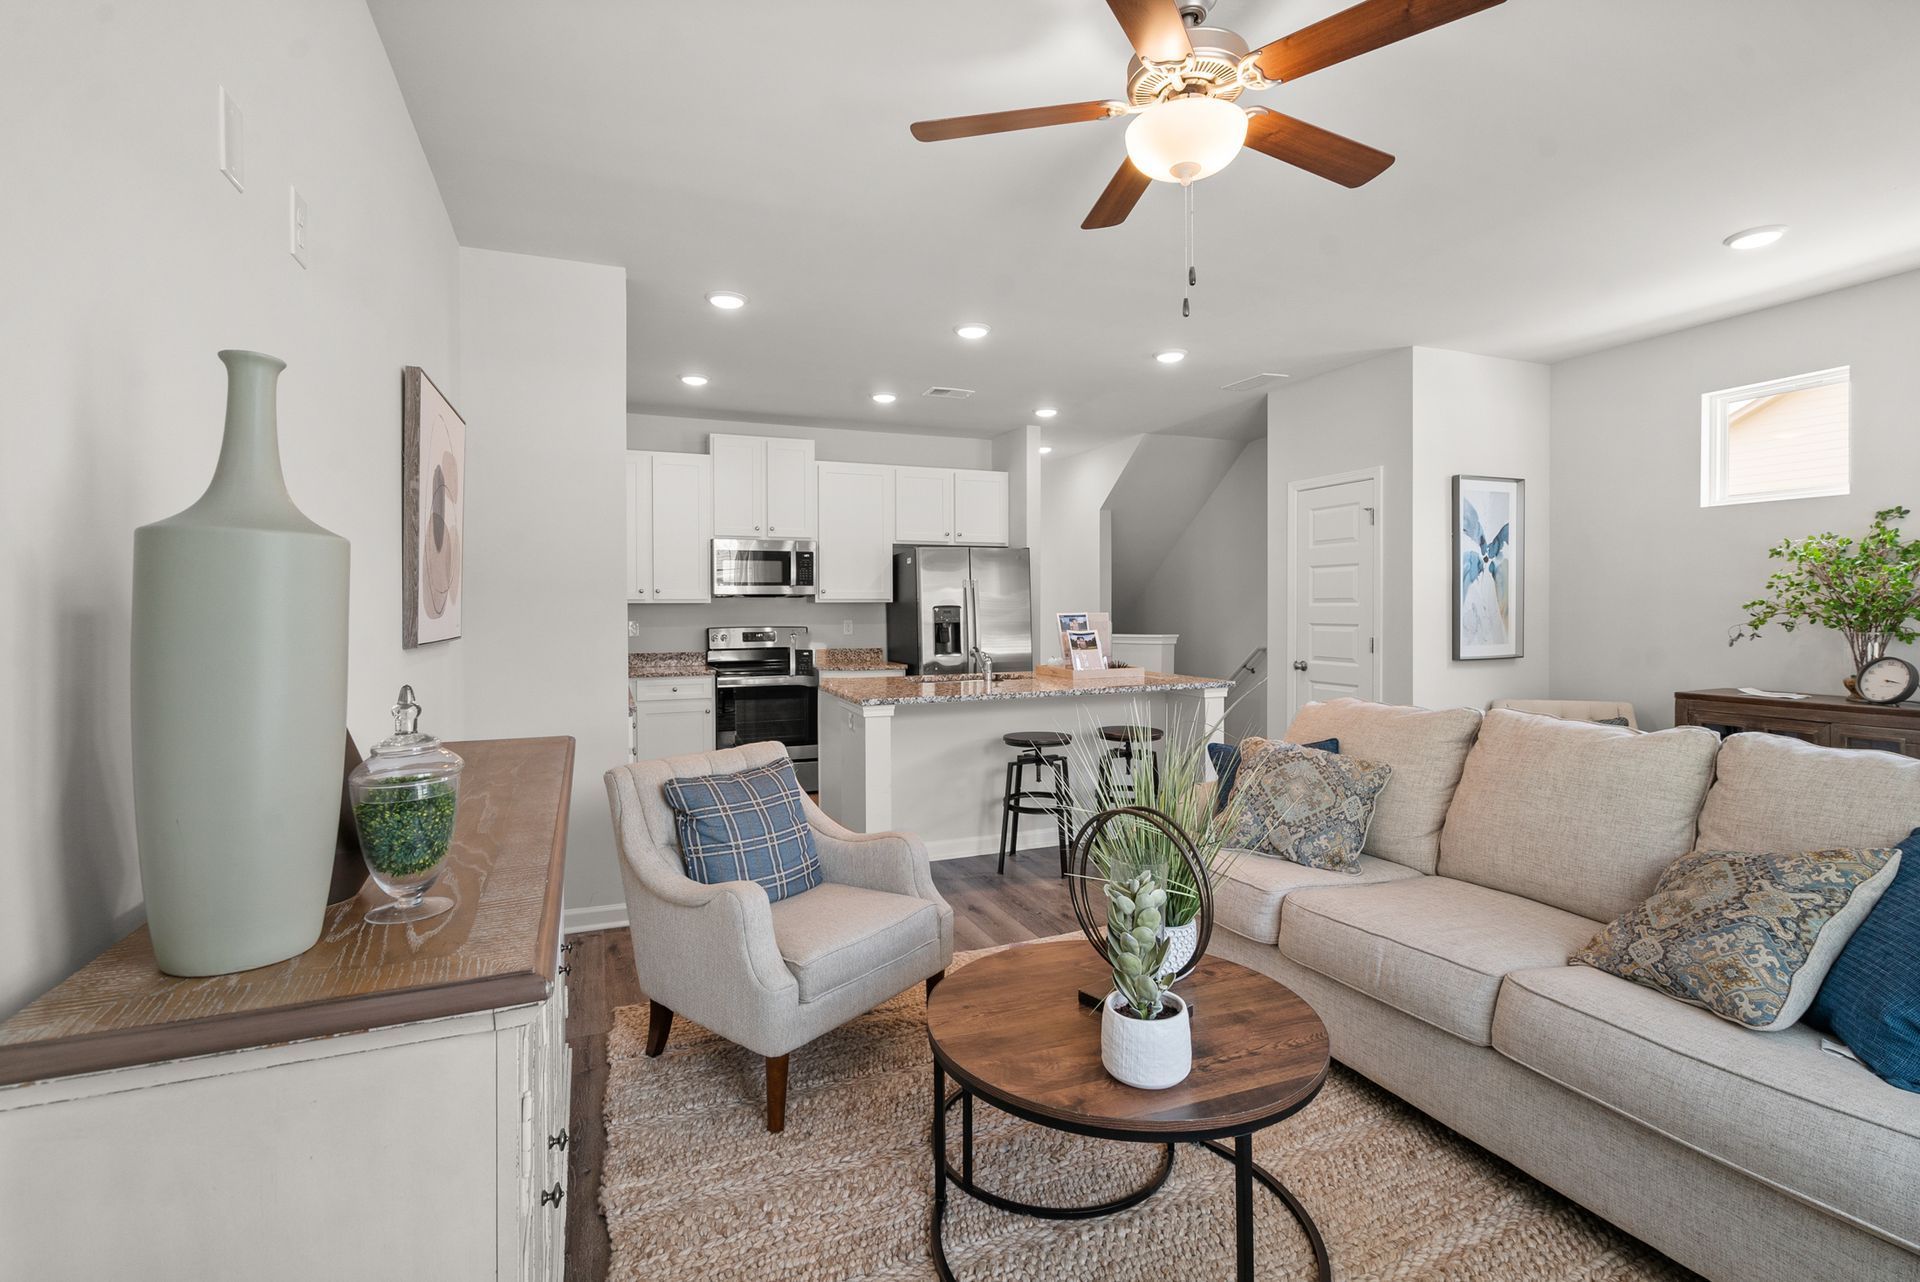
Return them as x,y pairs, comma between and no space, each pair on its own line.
770,976
1572,709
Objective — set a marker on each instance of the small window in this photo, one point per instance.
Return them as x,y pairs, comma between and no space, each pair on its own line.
1787,439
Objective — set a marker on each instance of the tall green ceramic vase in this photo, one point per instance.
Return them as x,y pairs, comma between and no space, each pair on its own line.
239,704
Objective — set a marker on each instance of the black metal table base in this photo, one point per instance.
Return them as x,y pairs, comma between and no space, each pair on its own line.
1245,1173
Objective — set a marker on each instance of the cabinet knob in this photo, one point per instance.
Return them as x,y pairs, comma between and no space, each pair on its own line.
756,529
943,534
564,969
559,1141
552,1196
656,589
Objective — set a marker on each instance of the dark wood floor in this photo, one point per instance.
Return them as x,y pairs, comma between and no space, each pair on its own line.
1029,902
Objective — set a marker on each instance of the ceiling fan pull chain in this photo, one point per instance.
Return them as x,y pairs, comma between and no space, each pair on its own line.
1186,304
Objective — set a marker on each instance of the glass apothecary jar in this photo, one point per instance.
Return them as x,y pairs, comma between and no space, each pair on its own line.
404,796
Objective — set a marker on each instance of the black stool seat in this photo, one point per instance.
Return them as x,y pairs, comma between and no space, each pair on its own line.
1126,734
1037,739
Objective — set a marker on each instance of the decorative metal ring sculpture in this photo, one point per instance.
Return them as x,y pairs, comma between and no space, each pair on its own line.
1083,873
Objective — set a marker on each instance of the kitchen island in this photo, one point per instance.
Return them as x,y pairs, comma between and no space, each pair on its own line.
926,755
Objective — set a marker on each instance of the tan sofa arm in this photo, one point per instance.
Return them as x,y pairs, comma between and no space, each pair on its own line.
718,937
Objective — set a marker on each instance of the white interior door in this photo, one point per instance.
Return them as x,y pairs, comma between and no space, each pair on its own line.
1334,649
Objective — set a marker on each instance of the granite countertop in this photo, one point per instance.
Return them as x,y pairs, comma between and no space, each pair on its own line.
668,663
1017,685
854,659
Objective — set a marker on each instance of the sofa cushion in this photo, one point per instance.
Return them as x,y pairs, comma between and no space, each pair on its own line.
1870,999
1247,896
747,826
1778,794
1302,804
1777,1108
1426,750
1749,937
1579,816
1429,946
835,934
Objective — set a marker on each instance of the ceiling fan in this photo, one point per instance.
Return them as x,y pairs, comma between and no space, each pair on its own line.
1182,84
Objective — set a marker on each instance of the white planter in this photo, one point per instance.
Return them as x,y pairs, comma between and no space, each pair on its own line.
1180,944
1152,1054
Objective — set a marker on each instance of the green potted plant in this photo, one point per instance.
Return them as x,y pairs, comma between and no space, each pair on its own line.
1146,1037
1866,589
1176,786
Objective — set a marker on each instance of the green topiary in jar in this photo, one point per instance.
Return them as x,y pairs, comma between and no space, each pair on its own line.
406,830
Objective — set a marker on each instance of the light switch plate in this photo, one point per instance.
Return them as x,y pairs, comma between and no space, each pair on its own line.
846,627
297,225
233,155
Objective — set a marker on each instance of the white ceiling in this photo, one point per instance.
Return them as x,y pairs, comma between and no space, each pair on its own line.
1567,169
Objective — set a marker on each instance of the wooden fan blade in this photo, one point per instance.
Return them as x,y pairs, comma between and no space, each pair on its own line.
1367,26
1155,28
1117,201
1316,150
1000,122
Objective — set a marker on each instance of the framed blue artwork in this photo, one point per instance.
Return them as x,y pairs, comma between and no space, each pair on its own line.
1488,566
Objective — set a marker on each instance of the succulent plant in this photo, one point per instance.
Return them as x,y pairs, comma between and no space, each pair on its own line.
1136,941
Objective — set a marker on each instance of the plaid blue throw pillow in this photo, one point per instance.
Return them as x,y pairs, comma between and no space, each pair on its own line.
748,826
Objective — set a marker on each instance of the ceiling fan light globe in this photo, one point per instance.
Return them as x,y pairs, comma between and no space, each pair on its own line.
1186,139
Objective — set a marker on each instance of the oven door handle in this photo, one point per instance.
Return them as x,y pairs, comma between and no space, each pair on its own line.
738,683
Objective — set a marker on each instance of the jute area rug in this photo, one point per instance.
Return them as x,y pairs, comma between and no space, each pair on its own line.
695,1188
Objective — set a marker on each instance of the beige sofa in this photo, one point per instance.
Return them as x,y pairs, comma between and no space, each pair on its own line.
1502,845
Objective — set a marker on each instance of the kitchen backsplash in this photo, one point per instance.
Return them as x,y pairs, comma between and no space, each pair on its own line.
684,627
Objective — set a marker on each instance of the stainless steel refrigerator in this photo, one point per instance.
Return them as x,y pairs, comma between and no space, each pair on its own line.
949,602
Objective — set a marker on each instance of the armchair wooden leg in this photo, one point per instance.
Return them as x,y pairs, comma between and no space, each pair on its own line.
776,1094
934,979
659,1024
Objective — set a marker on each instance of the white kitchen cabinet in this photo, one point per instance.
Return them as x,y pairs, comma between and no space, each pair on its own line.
763,487
980,508
669,527
950,505
923,504
673,716
856,532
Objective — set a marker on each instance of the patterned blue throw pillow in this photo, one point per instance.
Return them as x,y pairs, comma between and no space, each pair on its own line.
749,826
1226,764
1871,997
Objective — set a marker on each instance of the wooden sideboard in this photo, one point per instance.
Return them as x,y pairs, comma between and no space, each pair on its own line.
391,1103
1829,719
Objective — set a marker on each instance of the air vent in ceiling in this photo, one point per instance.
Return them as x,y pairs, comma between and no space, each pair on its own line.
1252,381
949,393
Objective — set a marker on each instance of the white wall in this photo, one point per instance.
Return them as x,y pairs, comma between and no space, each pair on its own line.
1649,581
128,261
874,444
1166,482
1342,421
683,627
543,348
1212,586
1075,573
1477,416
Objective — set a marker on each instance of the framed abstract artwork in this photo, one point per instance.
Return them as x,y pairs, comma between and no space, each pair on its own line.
433,527
1488,567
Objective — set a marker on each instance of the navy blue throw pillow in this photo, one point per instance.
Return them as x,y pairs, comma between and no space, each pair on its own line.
749,826
1871,997
1226,764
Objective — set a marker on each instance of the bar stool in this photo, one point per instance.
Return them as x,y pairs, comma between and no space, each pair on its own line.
1019,800
1128,741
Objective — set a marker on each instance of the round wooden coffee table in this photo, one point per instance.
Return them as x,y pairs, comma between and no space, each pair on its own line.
1010,1029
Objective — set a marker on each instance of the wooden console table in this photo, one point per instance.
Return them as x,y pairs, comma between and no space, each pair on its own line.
390,1103
1831,720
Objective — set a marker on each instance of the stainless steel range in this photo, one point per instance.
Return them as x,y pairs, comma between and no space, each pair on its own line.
766,691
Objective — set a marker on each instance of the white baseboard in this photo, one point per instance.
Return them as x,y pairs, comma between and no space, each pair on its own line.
575,921
966,847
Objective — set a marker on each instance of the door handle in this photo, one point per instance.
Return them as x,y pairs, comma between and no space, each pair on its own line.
1299,665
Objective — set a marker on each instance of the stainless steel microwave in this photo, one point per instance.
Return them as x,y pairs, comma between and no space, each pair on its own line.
763,567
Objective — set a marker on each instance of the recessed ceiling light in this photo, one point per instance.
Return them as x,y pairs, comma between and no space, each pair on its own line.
1172,356
694,380
726,300
971,330
883,398
1046,449
1755,237
1045,411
